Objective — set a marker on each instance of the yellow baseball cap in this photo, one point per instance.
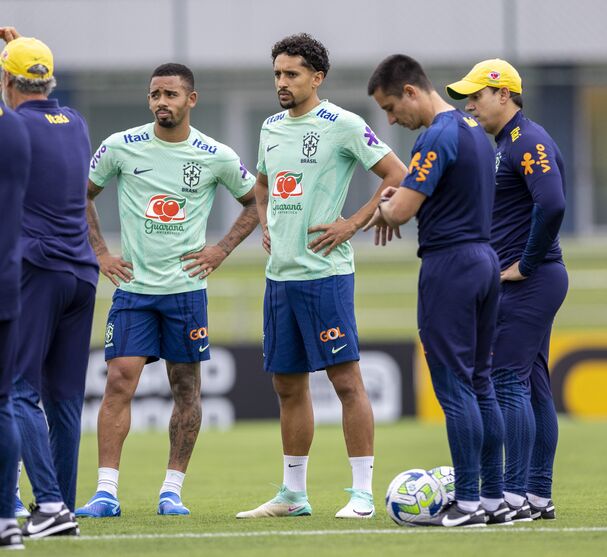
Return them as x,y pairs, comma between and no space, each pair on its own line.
23,53
488,73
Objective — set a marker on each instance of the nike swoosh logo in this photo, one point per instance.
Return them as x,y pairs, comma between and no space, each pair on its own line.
336,350
269,148
137,171
359,513
294,465
296,508
34,529
202,348
456,521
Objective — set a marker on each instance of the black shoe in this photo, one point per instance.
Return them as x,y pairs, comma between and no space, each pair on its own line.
41,525
520,514
500,516
10,538
546,513
452,516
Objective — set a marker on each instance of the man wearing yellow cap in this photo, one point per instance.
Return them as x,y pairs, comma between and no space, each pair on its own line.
528,211
58,281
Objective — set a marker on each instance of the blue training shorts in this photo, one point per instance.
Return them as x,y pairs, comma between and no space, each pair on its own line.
309,324
169,326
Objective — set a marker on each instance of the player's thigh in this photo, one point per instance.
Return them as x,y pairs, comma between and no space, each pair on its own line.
184,327
451,286
8,338
324,310
44,296
66,363
133,327
526,312
539,379
283,342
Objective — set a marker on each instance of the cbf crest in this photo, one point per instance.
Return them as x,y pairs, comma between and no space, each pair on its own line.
310,146
109,335
191,174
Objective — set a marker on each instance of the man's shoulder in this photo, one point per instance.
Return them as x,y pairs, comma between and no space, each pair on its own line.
132,136
207,146
274,120
338,116
9,118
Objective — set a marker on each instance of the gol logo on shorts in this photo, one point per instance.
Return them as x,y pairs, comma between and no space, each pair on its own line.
331,334
198,334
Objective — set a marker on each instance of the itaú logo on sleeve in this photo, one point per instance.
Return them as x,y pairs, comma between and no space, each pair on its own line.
331,334
166,208
199,334
287,184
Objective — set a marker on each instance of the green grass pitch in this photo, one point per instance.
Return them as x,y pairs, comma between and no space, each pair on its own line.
234,470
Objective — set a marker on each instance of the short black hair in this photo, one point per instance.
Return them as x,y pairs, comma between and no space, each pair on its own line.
315,55
180,70
396,71
516,98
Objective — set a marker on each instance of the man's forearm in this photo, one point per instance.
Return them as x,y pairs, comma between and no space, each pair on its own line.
95,237
242,227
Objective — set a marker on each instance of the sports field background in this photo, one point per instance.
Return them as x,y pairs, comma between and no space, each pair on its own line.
238,469
386,290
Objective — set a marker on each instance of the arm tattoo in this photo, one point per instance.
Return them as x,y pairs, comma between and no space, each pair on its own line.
242,227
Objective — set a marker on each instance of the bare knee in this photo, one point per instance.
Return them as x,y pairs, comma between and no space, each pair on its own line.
291,387
122,379
184,379
347,381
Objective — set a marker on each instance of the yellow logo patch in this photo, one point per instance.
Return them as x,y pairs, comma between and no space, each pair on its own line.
57,118
515,133
426,166
529,162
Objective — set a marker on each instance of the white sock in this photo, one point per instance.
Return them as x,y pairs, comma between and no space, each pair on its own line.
19,466
513,499
468,506
491,504
173,482
51,507
537,501
6,522
107,480
295,470
362,472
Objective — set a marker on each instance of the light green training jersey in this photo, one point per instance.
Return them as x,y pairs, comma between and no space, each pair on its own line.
309,161
165,194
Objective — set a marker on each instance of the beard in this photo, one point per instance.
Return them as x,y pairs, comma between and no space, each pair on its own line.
289,103
166,122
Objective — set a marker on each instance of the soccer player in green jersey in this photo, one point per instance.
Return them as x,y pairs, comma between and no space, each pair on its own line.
168,174
307,155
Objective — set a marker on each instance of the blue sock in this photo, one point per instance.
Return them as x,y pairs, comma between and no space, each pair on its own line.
544,448
464,429
492,459
64,434
514,399
35,448
9,458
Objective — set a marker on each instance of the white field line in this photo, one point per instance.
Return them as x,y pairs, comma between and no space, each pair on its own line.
362,532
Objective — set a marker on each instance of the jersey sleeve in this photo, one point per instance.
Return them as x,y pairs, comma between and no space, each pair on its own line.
359,141
535,160
231,172
434,151
104,163
261,156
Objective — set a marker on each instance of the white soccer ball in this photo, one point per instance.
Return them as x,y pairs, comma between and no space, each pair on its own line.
414,497
446,476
